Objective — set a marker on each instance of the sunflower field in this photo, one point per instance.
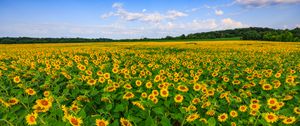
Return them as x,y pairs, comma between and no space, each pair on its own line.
150,84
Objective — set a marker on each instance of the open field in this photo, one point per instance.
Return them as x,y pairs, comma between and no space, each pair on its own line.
150,83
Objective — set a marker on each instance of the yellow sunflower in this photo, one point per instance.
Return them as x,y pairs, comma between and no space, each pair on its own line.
254,106
17,79
233,113
101,122
30,91
75,121
272,101
270,117
192,117
178,98
164,92
128,95
267,87
223,117
243,108
289,120
125,122
31,119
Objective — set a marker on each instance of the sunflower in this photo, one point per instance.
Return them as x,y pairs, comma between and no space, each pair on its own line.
210,92
270,117
30,91
178,98
125,122
192,117
110,89
203,120
101,122
115,70
46,93
233,113
197,87
164,92
138,83
154,100
289,120
148,85
144,95
233,124
210,112
106,75
297,110
206,104
128,95
74,121
182,88
138,104
157,78
155,93
275,107
236,82
254,106
288,97
243,108
91,82
31,119
17,79
272,101
267,87
254,101
13,101
253,113
195,100
44,103
127,86
223,117
101,80
225,79
74,108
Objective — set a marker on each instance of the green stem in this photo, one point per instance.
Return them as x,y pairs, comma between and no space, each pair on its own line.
182,124
6,122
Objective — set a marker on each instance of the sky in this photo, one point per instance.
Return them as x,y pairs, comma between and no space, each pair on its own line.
138,19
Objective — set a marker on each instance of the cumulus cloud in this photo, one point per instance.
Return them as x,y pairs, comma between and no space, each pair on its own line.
142,16
219,12
192,26
297,25
257,3
230,23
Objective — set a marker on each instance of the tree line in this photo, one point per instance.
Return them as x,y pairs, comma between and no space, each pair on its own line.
252,33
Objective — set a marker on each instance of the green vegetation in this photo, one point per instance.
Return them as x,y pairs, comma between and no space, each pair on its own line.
252,33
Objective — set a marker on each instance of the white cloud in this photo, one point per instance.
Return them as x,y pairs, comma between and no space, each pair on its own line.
219,12
189,26
142,16
256,3
297,25
229,23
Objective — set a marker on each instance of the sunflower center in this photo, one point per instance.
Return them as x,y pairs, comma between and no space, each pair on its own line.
74,121
270,117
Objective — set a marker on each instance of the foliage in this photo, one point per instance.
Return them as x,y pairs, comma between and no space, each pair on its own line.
209,83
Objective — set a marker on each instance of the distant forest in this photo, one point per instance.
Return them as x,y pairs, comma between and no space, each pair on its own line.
252,33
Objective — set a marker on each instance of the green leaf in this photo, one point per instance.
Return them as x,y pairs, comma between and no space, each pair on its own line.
159,110
149,121
211,121
119,108
115,123
165,121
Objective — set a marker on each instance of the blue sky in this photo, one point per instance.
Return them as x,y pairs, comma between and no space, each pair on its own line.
137,19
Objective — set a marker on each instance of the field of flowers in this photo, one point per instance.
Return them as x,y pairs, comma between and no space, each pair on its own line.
150,84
